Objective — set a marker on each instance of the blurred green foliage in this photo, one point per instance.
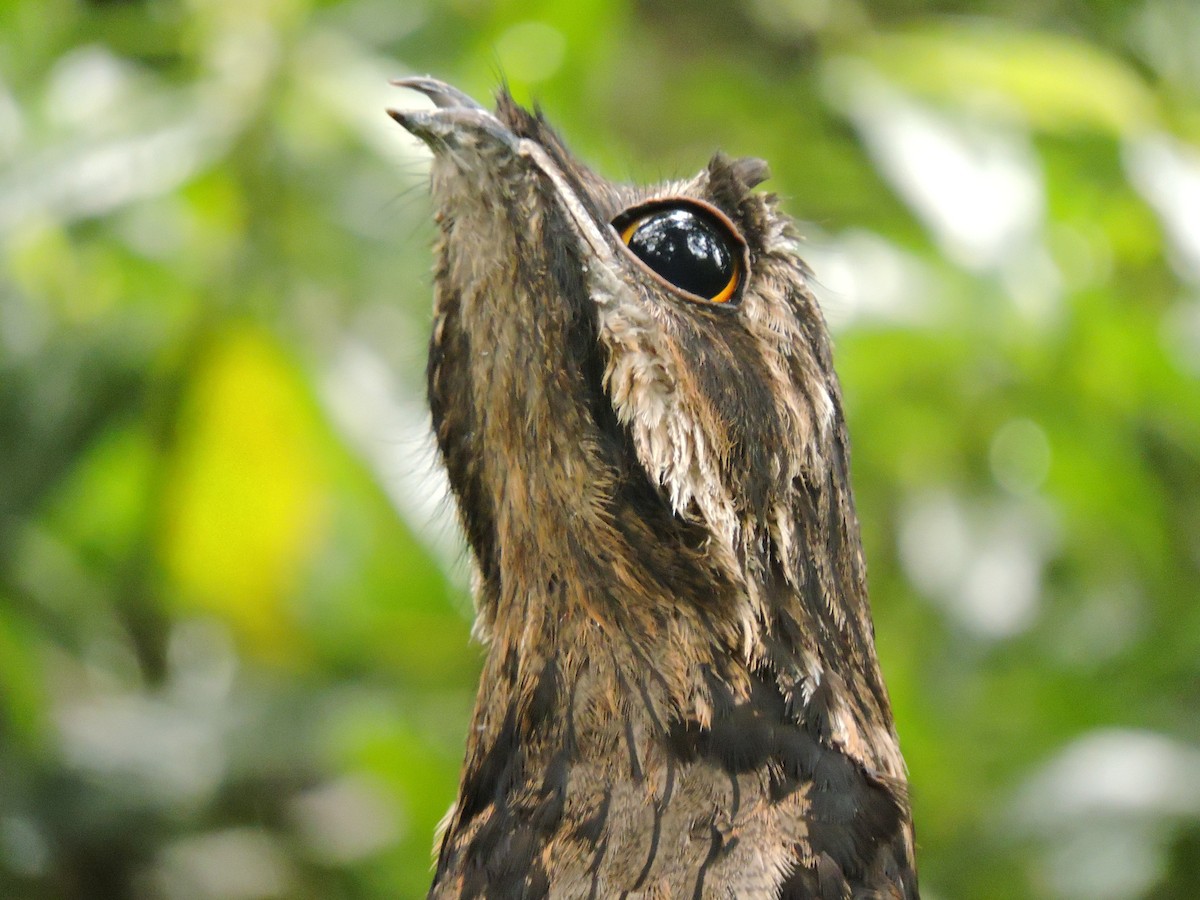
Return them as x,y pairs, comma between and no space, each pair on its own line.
234,624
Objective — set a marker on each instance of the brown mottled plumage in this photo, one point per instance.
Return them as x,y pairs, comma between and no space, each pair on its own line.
681,696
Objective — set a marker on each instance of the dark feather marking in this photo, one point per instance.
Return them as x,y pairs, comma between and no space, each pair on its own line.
780,785
831,880
643,691
714,850
598,821
817,710
719,694
801,884
669,787
489,779
512,665
589,830
654,837
548,814
504,871
569,740
454,417
500,856
543,704
735,802
538,884
635,766
850,813
595,869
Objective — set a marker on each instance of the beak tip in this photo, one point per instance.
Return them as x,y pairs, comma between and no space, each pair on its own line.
444,96
416,122
453,119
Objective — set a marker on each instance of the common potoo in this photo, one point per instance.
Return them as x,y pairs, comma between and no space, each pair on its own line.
633,395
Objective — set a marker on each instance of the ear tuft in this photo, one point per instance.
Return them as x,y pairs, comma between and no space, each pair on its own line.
745,172
750,170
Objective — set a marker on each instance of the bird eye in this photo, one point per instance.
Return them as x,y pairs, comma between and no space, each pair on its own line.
688,246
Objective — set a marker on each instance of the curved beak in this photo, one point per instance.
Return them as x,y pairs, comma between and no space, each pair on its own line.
454,115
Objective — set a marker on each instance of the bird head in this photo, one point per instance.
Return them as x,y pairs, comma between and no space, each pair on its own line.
605,351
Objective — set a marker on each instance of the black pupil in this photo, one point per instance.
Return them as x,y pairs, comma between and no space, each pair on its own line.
686,248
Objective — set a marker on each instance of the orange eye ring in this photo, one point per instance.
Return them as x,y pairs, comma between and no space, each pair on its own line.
732,285
687,245
629,230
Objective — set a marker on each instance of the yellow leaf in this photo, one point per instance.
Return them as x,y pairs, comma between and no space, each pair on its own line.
248,496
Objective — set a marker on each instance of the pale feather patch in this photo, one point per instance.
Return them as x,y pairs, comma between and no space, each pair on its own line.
644,385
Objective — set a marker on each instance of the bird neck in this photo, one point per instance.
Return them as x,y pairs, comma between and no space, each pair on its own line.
603,735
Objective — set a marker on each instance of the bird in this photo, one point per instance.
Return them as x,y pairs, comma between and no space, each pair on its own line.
633,396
